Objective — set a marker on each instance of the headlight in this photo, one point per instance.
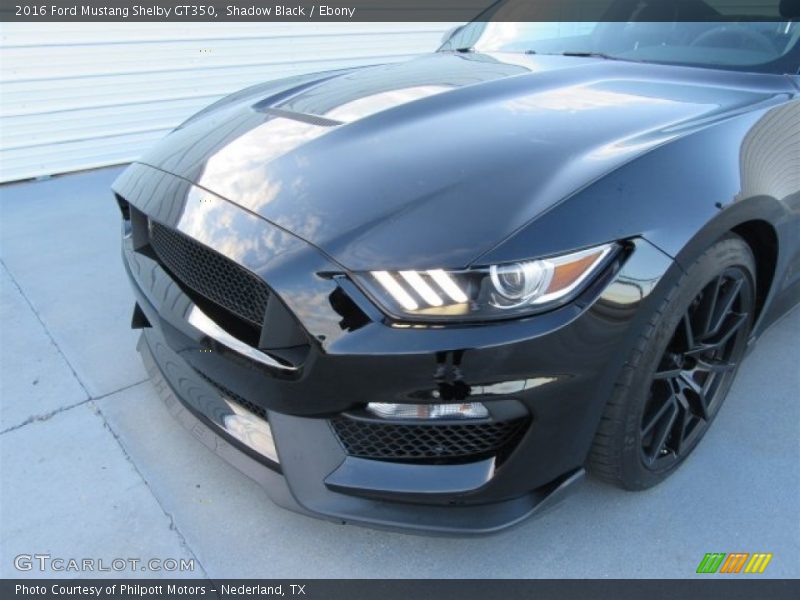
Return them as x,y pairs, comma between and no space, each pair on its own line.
494,292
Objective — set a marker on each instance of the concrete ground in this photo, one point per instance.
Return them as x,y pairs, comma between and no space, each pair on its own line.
93,466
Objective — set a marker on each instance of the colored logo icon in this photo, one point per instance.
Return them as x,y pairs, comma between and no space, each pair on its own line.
735,562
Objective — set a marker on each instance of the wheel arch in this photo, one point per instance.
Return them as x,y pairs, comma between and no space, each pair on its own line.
762,238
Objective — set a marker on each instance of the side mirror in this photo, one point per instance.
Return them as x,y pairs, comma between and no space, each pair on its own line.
450,33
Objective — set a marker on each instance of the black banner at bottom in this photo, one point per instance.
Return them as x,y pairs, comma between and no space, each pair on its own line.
413,589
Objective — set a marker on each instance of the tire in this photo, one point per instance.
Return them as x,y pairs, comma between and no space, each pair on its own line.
676,377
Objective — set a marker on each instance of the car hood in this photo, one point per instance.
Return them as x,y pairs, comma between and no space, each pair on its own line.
432,162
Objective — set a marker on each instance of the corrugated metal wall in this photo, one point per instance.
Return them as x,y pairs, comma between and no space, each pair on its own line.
78,96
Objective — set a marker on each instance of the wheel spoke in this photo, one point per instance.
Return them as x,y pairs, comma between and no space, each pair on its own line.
698,391
713,366
704,313
670,367
724,306
662,432
690,383
688,331
679,436
736,323
668,373
669,404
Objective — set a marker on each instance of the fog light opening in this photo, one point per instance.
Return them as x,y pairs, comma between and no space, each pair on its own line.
251,430
464,410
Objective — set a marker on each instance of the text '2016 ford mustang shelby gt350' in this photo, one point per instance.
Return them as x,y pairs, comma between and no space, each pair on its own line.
428,295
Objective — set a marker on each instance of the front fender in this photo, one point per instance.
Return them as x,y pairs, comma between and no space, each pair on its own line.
684,195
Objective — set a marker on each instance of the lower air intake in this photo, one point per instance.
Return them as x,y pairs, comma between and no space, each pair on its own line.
428,442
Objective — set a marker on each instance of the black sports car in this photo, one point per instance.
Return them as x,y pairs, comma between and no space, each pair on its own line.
428,295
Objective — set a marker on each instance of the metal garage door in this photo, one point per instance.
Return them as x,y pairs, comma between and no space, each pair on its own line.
76,96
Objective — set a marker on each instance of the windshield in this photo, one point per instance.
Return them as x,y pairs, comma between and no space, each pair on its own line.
767,45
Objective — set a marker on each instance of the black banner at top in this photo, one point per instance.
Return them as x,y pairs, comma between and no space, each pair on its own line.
396,10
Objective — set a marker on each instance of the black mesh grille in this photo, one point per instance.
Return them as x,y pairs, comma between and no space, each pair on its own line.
231,395
210,274
427,442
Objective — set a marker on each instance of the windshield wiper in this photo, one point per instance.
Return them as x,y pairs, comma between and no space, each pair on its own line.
464,50
580,54
588,55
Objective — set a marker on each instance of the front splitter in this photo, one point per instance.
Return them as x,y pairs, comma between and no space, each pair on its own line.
301,488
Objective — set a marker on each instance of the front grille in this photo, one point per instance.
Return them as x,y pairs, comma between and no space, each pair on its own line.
233,396
428,442
210,274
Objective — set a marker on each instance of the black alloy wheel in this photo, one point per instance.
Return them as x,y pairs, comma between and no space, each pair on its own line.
697,365
679,370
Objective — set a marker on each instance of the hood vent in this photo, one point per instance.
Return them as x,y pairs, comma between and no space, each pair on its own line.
296,116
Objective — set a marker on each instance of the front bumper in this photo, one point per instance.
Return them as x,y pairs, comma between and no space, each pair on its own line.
559,367
305,493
